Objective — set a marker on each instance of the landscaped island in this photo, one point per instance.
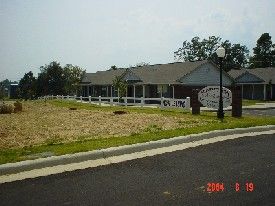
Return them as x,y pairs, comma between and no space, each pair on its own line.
53,127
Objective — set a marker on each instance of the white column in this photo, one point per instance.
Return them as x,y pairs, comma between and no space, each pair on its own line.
107,91
126,95
173,91
134,93
264,91
111,91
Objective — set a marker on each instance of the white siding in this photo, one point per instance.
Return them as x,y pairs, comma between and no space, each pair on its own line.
205,75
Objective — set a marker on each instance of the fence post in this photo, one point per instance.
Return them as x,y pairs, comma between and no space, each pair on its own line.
67,96
75,97
195,102
90,99
62,96
99,98
236,102
161,102
142,101
80,98
187,103
111,101
126,101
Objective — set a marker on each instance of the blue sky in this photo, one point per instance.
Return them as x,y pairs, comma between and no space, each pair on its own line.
98,34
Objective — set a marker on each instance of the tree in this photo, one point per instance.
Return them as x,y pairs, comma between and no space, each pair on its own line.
263,53
113,67
4,86
197,50
2,90
27,86
42,84
51,80
121,85
73,76
56,80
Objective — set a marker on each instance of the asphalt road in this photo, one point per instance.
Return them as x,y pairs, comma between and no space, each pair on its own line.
178,178
267,112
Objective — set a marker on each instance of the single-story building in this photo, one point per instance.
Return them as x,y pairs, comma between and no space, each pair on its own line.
258,83
173,80
13,91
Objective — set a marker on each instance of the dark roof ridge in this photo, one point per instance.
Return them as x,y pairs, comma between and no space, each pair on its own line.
138,67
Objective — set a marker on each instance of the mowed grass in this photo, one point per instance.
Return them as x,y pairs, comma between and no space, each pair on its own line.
52,127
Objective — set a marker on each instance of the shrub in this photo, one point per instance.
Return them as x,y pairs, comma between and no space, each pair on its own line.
17,106
6,108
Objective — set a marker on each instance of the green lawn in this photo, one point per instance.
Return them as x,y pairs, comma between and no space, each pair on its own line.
152,133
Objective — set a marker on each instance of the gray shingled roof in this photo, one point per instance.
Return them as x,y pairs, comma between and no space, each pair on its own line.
266,74
151,74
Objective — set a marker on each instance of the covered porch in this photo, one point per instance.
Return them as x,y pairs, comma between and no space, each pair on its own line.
133,90
258,91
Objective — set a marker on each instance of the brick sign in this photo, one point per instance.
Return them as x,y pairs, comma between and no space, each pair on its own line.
209,97
174,103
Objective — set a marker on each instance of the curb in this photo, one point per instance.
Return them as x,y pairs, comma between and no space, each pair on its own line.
11,168
255,108
244,108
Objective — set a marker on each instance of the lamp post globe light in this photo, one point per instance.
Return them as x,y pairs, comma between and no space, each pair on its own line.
221,54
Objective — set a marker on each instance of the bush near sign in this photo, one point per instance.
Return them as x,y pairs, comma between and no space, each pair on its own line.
210,96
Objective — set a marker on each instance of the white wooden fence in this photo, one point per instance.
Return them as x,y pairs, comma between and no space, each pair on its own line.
127,101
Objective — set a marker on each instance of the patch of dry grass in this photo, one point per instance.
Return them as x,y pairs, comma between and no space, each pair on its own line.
41,123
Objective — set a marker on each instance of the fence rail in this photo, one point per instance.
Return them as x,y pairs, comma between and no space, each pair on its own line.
127,101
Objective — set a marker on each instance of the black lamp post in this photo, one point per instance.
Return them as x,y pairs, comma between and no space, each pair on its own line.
221,54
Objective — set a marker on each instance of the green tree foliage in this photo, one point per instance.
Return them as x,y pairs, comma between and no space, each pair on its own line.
120,84
263,53
113,67
55,80
197,50
6,83
2,91
73,76
27,86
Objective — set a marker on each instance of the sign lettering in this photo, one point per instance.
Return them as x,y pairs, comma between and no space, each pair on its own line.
174,103
210,96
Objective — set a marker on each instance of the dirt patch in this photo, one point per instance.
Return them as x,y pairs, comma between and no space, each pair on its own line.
41,123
